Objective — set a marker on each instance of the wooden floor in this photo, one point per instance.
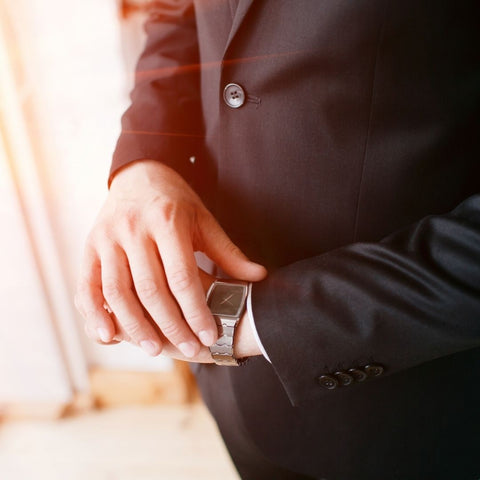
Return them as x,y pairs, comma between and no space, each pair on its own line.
124,443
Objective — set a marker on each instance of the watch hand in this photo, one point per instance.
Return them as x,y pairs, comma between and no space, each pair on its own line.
227,299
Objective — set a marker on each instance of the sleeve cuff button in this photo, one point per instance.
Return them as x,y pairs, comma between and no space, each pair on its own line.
373,370
328,382
358,375
344,379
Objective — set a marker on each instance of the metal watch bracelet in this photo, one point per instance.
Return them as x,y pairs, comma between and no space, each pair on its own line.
226,300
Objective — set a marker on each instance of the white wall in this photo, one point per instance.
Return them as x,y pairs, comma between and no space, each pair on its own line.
67,86
31,362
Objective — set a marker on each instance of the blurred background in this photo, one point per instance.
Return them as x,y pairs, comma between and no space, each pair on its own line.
68,407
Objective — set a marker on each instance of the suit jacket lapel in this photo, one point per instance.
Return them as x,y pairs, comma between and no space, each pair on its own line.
242,9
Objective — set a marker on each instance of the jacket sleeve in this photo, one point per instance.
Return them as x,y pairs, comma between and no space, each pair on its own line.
164,121
411,298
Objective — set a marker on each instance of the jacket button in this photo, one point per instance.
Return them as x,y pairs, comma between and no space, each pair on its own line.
234,95
373,370
328,382
357,374
344,379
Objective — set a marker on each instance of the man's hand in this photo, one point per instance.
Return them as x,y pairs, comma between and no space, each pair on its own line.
140,256
245,343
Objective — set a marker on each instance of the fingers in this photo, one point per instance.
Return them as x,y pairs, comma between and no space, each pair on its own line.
221,250
181,271
153,291
89,301
101,324
92,335
117,291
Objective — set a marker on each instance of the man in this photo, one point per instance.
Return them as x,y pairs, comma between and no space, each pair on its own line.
335,143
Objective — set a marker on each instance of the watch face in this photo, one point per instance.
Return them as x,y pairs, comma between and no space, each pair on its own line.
227,299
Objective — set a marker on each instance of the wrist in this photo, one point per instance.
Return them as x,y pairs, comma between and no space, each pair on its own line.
244,342
146,169
123,174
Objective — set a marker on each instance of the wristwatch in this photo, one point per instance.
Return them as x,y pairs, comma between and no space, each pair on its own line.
226,300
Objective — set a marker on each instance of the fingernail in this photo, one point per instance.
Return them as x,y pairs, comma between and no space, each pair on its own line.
103,334
149,347
207,338
188,349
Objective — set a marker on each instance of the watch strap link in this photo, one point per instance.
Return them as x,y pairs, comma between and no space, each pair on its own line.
222,350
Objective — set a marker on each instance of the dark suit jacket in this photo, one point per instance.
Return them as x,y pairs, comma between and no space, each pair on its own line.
352,171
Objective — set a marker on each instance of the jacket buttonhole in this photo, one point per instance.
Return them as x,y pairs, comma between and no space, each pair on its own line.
253,99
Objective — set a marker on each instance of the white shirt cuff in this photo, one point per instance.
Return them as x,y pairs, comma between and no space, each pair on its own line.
252,323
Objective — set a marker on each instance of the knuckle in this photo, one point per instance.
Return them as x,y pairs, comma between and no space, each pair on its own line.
231,249
196,318
181,280
89,315
82,300
173,331
133,329
147,289
112,289
82,291
207,220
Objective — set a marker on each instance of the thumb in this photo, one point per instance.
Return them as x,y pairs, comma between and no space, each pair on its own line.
221,250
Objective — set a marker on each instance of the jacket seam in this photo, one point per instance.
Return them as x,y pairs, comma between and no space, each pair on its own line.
369,126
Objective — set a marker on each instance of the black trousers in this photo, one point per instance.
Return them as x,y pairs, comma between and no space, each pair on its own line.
419,424
218,395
